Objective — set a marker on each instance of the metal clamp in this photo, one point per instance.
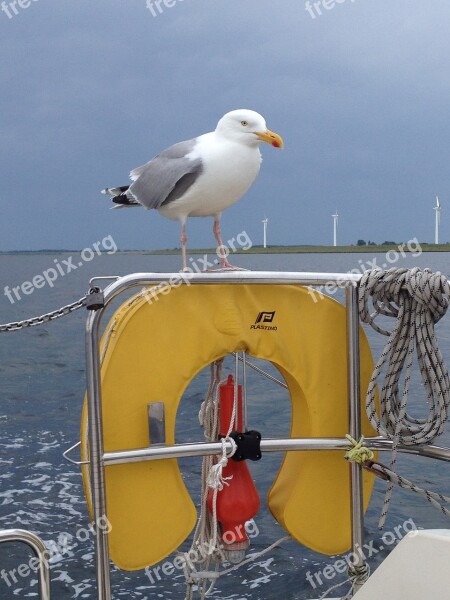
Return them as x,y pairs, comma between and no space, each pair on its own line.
74,462
248,445
369,465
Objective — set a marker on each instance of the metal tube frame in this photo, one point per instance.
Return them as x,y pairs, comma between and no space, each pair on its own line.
40,551
99,459
267,445
354,409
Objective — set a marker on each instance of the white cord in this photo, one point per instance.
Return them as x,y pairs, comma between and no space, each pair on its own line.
417,299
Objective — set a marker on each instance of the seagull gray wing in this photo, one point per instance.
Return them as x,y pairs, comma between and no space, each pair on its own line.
167,176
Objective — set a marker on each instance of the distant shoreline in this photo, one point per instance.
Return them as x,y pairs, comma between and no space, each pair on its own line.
257,250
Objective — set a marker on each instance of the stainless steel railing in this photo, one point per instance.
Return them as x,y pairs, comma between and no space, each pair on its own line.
99,459
40,551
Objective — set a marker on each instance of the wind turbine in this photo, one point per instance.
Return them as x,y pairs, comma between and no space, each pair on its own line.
335,224
264,222
437,208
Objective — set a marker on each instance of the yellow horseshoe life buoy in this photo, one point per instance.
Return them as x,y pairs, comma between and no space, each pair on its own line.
157,344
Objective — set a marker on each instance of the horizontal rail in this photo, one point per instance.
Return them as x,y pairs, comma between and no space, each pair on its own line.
267,445
121,284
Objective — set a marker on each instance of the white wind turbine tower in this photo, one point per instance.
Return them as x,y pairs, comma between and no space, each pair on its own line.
264,222
335,224
437,208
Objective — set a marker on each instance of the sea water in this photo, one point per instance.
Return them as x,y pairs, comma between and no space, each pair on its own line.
42,383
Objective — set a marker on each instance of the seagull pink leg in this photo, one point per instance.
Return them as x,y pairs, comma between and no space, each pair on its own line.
220,247
183,240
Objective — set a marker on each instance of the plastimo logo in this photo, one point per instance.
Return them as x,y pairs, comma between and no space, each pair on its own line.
264,317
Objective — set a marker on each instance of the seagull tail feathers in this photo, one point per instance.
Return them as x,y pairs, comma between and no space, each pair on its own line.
115,191
120,197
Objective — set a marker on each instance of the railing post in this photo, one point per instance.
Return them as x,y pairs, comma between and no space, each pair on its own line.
356,480
97,469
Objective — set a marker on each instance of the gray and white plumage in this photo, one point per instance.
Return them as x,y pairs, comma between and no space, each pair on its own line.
203,176
167,177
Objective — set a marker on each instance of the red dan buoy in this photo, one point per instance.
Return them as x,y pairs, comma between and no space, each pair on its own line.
238,501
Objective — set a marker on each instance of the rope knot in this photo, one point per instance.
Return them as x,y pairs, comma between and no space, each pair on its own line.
358,452
401,288
428,289
215,478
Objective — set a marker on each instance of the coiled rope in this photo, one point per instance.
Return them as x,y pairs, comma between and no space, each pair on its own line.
417,299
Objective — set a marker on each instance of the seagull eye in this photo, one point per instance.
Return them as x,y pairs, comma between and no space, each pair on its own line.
244,123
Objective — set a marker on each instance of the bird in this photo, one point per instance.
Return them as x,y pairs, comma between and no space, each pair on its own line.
201,177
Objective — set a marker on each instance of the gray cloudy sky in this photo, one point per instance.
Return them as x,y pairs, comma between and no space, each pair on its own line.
361,95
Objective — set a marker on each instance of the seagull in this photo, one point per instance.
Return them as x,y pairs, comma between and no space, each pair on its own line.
201,177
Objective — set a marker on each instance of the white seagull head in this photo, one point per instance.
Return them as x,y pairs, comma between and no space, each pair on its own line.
248,127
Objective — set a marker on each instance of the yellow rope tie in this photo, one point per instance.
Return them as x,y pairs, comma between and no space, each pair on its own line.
358,453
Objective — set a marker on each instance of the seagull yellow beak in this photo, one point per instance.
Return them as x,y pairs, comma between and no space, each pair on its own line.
271,138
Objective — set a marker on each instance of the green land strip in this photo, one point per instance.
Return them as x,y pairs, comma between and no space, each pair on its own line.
315,249
272,249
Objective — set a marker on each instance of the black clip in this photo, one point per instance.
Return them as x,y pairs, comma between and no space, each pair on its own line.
248,445
95,299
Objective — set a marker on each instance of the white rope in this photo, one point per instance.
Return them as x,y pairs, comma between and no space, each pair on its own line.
206,543
215,479
251,558
357,577
364,456
435,498
417,299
